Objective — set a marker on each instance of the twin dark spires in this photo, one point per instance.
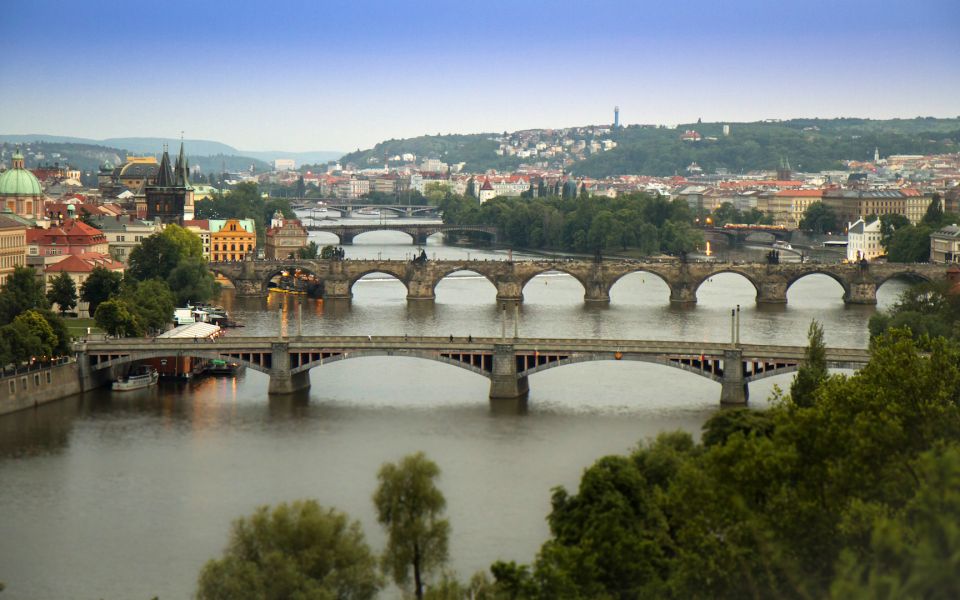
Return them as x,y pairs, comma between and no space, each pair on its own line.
178,176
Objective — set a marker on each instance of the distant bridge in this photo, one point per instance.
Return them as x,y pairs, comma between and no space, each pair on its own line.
347,208
419,232
859,282
507,362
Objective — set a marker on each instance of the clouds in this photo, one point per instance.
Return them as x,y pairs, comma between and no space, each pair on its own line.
338,75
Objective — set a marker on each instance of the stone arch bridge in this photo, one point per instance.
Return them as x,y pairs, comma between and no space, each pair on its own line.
859,282
506,362
419,232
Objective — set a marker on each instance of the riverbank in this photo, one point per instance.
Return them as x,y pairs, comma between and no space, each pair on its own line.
33,386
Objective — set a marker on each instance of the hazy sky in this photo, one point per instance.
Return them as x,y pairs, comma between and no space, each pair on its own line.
319,75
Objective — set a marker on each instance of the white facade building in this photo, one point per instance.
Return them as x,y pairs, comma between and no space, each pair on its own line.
863,240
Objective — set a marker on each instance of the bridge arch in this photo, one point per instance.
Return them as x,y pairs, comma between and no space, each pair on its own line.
222,272
384,227
200,352
426,355
445,274
908,274
393,275
556,268
594,357
834,276
742,273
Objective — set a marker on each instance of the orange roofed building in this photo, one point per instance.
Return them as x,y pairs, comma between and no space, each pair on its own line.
79,266
48,246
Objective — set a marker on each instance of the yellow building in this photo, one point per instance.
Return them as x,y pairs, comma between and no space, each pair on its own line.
235,239
13,246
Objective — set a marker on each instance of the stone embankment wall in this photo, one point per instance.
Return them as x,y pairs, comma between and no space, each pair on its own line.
30,388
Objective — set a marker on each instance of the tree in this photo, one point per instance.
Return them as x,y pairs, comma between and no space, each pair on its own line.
471,188
63,292
934,215
410,508
155,257
909,244
309,251
192,281
889,224
297,550
187,242
21,292
101,285
18,343
38,327
818,218
118,318
813,370
151,301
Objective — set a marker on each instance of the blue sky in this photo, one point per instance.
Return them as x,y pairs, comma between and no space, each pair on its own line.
298,75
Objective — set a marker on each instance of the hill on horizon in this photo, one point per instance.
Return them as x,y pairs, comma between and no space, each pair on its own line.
154,145
808,144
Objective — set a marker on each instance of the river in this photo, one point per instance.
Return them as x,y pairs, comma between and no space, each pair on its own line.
109,495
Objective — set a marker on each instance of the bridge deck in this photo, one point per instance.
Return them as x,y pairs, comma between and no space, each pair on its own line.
459,343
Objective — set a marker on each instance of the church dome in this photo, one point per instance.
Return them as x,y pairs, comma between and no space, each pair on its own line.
19,182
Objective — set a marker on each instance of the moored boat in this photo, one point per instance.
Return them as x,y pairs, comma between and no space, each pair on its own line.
139,377
222,367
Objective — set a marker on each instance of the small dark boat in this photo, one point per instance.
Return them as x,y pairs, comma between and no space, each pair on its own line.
222,367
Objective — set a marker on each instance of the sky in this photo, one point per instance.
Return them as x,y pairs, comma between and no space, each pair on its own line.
341,75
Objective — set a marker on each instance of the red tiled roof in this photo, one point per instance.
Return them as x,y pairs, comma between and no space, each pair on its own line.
84,263
203,224
800,193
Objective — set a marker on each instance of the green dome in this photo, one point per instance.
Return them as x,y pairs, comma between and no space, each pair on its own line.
19,182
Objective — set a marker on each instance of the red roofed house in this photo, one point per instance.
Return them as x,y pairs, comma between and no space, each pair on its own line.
48,246
79,266
690,136
200,227
486,191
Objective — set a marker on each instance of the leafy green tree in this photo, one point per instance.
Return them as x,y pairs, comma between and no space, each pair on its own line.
21,292
813,370
192,281
101,285
927,310
151,302
471,188
18,343
63,292
327,252
187,242
297,550
38,327
155,257
909,244
309,251
118,318
889,224
934,216
410,507
818,218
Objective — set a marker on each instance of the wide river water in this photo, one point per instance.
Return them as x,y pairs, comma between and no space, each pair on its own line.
126,495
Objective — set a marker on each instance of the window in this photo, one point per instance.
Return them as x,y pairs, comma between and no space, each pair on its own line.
36,380
13,386
49,379
23,384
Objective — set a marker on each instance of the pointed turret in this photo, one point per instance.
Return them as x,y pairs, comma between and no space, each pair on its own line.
165,173
182,169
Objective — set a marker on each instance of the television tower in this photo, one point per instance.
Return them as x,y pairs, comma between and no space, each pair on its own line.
616,117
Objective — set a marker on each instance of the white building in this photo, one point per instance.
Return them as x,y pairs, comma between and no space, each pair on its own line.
284,164
863,240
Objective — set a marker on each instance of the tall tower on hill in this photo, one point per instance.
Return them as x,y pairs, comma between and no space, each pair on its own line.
616,117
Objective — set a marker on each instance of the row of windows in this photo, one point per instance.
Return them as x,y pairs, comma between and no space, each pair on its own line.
11,260
13,241
224,257
233,247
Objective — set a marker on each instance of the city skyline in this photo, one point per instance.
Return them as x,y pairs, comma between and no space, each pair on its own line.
294,76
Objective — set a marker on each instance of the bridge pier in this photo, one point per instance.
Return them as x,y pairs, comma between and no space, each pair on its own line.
419,289
420,239
733,391
682,293
861,292
504,383
772,292
346,239
337,288
282,381
597,291
249,287
509,290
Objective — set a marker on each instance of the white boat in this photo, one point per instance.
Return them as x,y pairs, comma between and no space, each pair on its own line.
781,245
138,378
367,212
